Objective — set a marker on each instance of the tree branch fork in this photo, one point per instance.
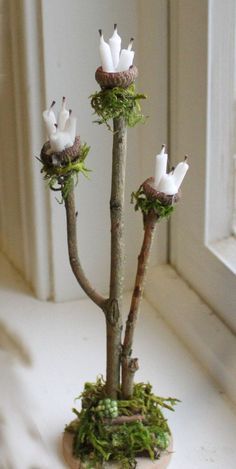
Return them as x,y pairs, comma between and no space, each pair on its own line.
119,355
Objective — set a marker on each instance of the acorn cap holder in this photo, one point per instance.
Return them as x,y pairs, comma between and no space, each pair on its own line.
62,158
117,97
61,169
152,203
116,79
151,193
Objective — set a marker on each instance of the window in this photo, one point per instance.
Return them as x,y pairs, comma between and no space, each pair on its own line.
203,71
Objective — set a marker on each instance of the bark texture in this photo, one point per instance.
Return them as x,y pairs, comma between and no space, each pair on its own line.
114,304
129,364
125,419
77,269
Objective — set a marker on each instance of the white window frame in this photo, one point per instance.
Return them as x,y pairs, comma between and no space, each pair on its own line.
196,83
221,133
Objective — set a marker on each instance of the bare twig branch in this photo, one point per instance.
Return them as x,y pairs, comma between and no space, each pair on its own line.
150,221
73,253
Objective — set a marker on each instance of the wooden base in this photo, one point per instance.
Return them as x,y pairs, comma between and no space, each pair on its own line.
143,463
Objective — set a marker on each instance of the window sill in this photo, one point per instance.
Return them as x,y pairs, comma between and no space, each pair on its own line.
225,250
205,335
76,330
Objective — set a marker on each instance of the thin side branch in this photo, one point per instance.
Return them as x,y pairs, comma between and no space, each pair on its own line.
127,362
73,253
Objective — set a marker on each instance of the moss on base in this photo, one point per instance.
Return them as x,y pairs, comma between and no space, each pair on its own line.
98,439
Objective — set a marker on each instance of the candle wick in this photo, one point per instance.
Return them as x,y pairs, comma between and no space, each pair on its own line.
130,43
186,158
56,126
70,112
115,26
53,102
100,32
163,149
172,169
63,99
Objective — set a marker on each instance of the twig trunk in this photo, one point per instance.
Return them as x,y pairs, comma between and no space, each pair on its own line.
129,364
114,304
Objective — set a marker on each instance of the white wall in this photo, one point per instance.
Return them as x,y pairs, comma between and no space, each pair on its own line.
71,58
60,42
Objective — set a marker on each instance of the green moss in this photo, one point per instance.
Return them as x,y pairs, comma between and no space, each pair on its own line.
96,440
148,204
118,102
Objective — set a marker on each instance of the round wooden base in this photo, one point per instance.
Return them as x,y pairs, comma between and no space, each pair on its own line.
143,463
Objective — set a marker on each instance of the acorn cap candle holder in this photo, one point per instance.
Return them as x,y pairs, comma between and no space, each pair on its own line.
117,97
152,193
116,79
61,169
50,158
153,203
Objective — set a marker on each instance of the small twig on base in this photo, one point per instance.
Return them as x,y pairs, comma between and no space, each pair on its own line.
124,419
129,368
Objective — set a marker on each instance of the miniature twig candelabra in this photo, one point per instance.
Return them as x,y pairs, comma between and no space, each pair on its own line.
63,157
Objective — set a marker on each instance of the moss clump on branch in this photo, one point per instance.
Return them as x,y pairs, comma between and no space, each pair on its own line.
118,102
98,440
64,177
150,204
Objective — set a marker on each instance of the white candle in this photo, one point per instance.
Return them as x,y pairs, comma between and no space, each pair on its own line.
180,171
167,185
126,58
115,45
60,140
50,120
63,115
160,165
105,55
70,126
